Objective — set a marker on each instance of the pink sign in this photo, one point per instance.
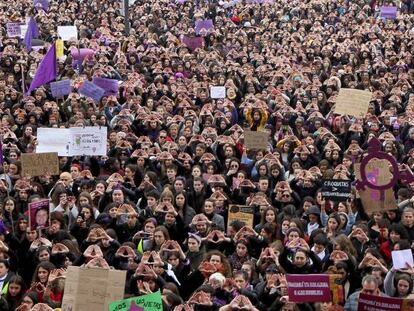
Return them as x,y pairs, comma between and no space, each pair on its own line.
308,288
373,303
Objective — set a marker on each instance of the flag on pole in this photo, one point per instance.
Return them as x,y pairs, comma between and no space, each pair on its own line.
47,70
31,33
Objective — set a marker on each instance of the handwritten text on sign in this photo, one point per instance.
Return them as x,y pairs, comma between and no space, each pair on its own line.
353,102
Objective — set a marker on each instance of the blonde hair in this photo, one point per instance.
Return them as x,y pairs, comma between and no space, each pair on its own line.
66,175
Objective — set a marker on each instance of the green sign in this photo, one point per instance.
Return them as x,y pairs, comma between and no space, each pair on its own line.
150,302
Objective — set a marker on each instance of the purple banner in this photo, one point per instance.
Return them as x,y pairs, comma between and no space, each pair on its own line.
207,25
388,12
110,86
193,43
60,88
308,288
91,90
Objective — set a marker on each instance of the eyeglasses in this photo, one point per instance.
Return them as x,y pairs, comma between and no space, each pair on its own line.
286,196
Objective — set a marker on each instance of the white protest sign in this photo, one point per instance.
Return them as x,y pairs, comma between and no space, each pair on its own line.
67,32
23,30
400,259
53,140
218,92
75,141
13,30
89,140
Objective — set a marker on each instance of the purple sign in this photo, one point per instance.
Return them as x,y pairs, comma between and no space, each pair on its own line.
308,288
388,12
110,86
371,302
60,88
91,90
13,30
42,4
193,43
207,25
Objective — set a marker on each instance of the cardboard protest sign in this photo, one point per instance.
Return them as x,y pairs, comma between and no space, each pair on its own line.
308,288
383,303
371,198
218,92
256,140
241,213
92,289
13,30
111,86
39,214
376,176
353,102
61,88
67,33
193,43
150,302
336,190
90,140
400,259
37,164
388,12
203,25
91,90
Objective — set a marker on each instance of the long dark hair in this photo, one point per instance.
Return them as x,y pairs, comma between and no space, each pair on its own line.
44,265
16,279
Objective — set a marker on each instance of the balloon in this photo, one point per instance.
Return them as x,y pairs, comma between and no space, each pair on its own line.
81,54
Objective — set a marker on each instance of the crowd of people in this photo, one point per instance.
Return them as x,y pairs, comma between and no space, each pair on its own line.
157,204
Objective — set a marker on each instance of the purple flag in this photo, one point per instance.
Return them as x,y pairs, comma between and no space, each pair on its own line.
31,33
110,86
43,4
47,70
